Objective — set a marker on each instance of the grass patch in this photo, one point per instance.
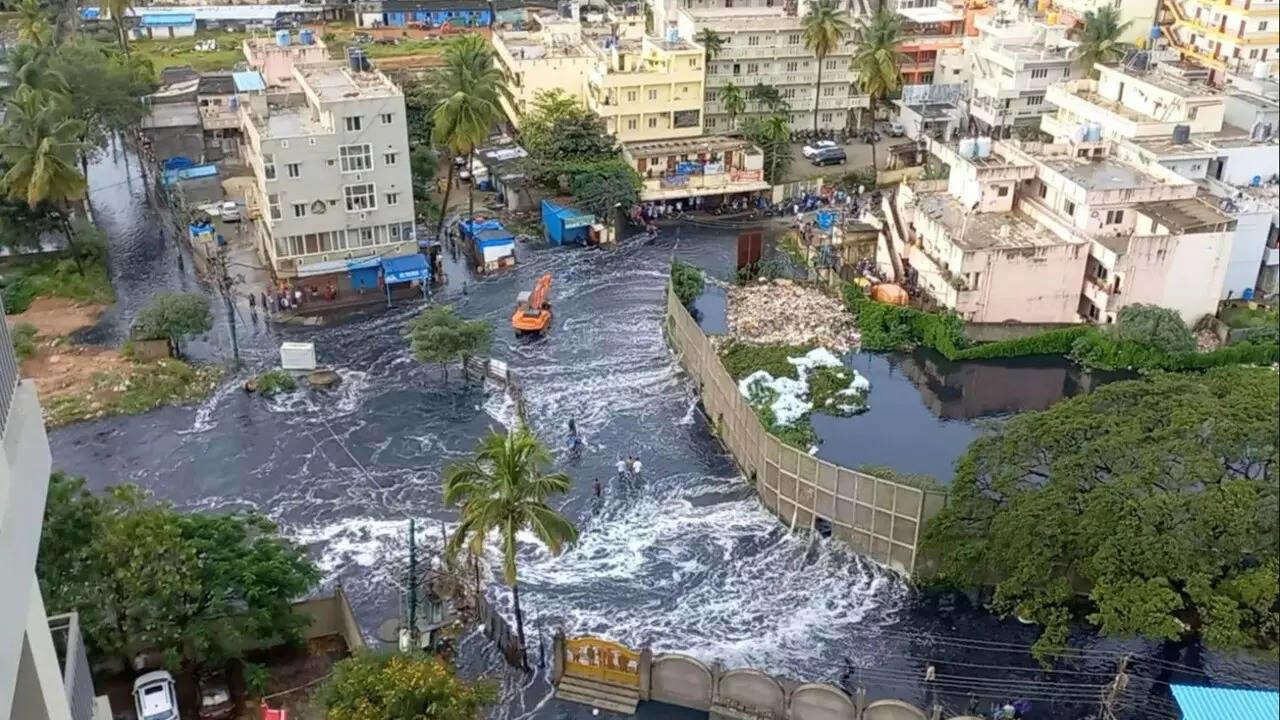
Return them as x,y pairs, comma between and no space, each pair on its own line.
145,387
275,381
337,36
176,52
25,281
918,480
1243,316
24,340
741,359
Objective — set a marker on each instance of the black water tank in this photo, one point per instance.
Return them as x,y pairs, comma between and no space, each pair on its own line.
1181,134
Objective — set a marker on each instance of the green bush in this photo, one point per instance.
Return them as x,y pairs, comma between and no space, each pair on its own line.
1101,352
741,359
1155,327
891,327
24,340
1051,342
18,294
275,381
686,281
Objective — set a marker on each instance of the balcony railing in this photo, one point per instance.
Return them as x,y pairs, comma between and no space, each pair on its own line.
76,678
8,374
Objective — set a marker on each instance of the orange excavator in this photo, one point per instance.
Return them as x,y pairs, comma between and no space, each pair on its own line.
533,310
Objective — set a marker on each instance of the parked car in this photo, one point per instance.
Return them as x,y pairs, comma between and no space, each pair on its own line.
816,147
215,699
229,211
895,129
154,697
830,156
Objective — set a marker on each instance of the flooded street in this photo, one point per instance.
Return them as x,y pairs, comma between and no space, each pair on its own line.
685,560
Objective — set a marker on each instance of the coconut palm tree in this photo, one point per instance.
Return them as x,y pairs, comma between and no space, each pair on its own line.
502,489
29,66
33,24
118,11
1100,40
712,43
825,27
878,60
734,102
774,136
39,148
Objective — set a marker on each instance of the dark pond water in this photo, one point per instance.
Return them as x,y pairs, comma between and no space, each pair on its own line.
687,560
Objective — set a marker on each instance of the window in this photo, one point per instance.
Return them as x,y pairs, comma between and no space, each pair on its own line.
1035,100
710,96
359,197
1069,207
366,236
828,90
1042,190
389,158
793,39
1262,26
793,66
293,170
387,118
1066,72
1115,217
269,166
273,202
753,68
1038,73
353,123
631,96
737,69
653,122
653,94
299,210
631,123
753,40
355,158
392,198
1002,191
832,64
789,93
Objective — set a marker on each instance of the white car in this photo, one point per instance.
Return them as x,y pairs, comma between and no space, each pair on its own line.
154,697
816,147
229,211
895,129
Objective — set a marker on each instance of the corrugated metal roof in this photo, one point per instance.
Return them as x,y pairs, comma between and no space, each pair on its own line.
150,19
1197,702
248,81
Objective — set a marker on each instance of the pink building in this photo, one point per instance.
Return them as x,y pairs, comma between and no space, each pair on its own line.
275,56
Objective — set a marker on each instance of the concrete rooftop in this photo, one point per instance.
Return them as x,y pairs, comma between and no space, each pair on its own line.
984,231
334,82
1185,216
1105,174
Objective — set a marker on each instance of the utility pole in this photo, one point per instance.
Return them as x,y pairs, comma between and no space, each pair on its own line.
1115,690
226,287
413,584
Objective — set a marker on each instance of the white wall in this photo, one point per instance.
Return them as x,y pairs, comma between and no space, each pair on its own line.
1182,272
1247,247
1244,163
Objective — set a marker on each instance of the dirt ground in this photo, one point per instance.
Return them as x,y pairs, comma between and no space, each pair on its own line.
55,317
59,367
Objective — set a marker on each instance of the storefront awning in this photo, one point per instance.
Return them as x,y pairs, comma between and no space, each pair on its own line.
405,268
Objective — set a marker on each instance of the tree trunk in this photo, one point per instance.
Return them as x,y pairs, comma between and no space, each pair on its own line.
444,204
122,35
873,137
71,243
471,188
515,600
817,94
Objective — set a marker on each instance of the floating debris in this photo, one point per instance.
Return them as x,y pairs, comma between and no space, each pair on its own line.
786,313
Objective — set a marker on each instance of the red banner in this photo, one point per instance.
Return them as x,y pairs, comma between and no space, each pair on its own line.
746,175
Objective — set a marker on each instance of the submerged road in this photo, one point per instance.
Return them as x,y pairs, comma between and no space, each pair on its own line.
684,560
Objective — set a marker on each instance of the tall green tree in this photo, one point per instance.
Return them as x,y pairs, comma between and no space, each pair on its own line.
825,26
118,12
174,317
503,490
1154,326
767,98
1100,39
772,133
712,43
106,86
440,335
33,25
734,102
877,58
600,187
1156,497
372,686
39,148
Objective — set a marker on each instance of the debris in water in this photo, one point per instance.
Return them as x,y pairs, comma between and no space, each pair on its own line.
783,312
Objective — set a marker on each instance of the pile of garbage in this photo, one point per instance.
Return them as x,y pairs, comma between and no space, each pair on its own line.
783,312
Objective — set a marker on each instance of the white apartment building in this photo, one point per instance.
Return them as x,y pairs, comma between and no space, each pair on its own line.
44,673
1014,60
1227,36
1169,117
333,180
763,45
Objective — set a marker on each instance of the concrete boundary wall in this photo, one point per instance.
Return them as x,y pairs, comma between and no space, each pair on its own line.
879,518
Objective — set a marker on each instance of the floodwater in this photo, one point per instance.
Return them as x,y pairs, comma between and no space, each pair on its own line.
684,560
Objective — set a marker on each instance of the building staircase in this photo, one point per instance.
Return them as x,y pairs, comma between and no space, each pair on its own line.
598,693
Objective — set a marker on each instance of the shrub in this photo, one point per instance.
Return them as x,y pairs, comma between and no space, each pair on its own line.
1155,327
275,381
686,281
741,359
1102,352
24,340
1051,342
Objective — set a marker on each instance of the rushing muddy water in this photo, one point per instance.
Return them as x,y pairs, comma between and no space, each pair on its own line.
684,560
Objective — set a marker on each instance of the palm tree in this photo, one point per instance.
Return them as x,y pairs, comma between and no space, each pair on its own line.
767,97
39,148
503,489
33,24
712,43
734,102
825,27
29,66
1100,40
775,134
118,11
878,60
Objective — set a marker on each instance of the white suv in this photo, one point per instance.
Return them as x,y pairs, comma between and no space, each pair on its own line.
154,697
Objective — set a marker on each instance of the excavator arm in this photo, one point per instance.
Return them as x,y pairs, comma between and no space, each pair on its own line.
539,295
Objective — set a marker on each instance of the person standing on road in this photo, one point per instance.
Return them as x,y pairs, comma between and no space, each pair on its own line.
595,487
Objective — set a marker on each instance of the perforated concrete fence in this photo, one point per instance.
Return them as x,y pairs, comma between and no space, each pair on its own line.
879,518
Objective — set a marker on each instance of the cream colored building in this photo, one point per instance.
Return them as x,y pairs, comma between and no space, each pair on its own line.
274,57
1235,36
711,166
332,176
1140,14
550,56
1014,61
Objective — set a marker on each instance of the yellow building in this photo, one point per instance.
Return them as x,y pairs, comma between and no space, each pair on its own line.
551,56
1237,36
648,89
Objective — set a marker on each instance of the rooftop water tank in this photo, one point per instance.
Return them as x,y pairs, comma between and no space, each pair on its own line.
307,37
968,147
1181,134
1095,132
282,38
984,147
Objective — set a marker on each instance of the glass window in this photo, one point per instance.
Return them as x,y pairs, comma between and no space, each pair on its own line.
299,210
393,198
269,166
355,158
387,118
389,159
360,197
273,202
353,123
293,170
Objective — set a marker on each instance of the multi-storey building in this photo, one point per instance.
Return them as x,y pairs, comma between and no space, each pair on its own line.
274,57
548,55
1053,233
1014,60
332,175
931,28
1227,36
713,167
1139,14
44,672
1169,117
764,45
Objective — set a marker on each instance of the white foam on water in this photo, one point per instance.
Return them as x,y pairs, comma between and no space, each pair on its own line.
204,417
500,406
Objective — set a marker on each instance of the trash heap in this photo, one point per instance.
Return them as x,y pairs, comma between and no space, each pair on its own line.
785,313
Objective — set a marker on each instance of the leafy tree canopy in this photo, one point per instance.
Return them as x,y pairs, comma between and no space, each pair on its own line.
201,586
174,316
599,187
401,687
687,282
1154,326
772,133
1147,507
440,335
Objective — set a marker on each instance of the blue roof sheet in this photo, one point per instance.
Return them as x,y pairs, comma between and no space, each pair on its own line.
167,19
1197,702
404,268
248,81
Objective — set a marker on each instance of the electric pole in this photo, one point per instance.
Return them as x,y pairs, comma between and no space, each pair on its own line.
226,287
1115,690
413,585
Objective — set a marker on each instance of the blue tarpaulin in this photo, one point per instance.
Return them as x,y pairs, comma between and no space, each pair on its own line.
178,162
167,19
470,227
405,268
364,272
565,224
190,173
90,13
248,81
1197,702
826,219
